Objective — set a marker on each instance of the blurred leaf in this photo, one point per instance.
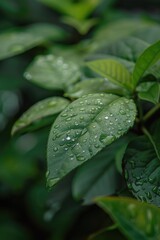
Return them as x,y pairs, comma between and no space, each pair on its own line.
15,42
82,26
135,219
93,85
84,128
40,114
52,72
113,71
142,170
149,91
77,10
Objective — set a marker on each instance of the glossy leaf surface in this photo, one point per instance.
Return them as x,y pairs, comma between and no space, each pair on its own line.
142,170
84,128
149,91
138,221
40,114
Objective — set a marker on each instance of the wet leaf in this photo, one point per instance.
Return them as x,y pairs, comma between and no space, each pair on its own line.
113,71
135,219
15,42
40,114
142,170
84,128
52,72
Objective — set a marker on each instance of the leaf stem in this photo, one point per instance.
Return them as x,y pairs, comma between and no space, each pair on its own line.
145,131
151,112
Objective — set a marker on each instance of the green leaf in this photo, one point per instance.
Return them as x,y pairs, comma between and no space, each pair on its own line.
138,221
15,42
149,91
84,128
95,85
39,115
52,72
98,176
148,58
142,170
113,71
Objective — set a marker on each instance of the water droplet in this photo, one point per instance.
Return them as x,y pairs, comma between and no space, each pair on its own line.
106,117
64,115
55,149
80,158
27,75
106,139
52,181
155,189
68,119
68,138
122,112
65,148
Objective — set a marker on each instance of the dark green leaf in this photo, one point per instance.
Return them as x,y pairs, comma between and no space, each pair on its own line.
52,72
149,91
138,221
18,41
84,128
113,71
98,176
40,114
95,85
142,170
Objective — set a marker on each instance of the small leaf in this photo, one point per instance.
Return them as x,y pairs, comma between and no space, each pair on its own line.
113,71
40,114
149,91
93,85
52,72
84,128
98,176
148,58
142,170
18,41
135,219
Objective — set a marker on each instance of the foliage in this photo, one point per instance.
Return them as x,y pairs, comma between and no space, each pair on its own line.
100,99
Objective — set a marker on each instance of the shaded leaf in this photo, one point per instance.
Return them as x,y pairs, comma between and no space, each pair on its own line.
113,71
142,170
148,58
15,42
93,85
40,114
149,91
135,219
98,176
84,128
52,72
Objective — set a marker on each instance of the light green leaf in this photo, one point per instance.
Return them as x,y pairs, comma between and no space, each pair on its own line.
98,176
93,85
40,115
84,128
149,91
138,221
52,72
147,59
142,170
15,42
113,71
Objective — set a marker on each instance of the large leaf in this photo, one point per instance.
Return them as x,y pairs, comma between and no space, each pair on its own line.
98,176
148,58
52,72
93,85
84,128
18,41
40,114
149,91
138,221
113,71
142,170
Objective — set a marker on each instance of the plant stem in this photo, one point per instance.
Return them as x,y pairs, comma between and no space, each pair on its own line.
145,131
151,112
